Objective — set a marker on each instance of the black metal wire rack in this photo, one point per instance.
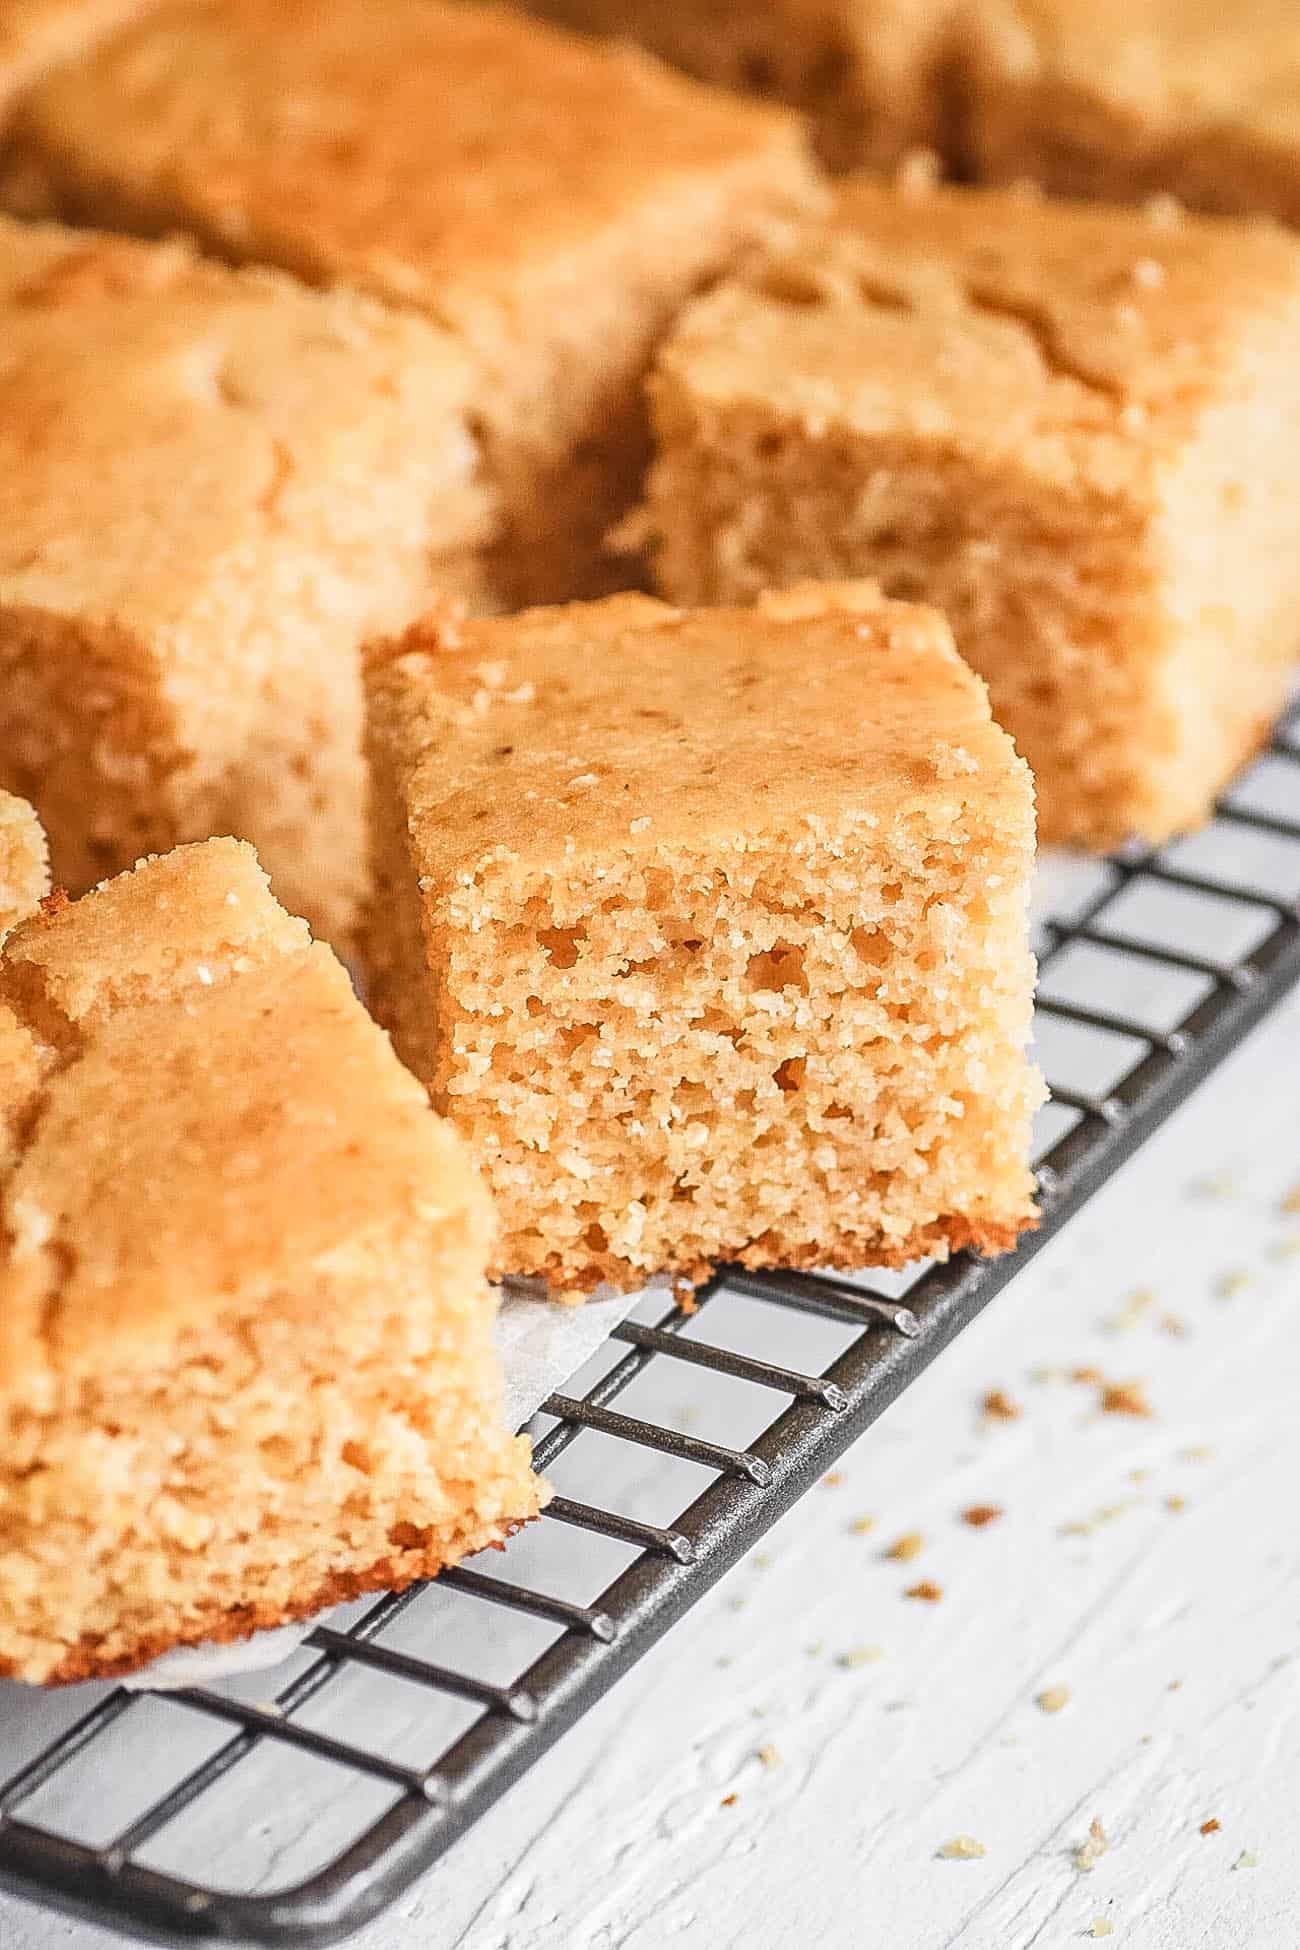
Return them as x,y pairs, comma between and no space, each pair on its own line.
1153,967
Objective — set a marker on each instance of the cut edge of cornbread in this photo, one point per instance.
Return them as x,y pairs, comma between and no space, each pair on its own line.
246,1343
1091,484
654,1033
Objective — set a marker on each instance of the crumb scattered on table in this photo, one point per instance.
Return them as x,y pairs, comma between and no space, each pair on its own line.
1053,1698
1102,1926
1175,1503
1212,1826
1230,1284
1089,1377
999,1407
730,1800
1125,1398
832,1479
1246,1860
906,1547
980,1514
768,1755
927,1590
861,1525
1090,1852
962,1848
859,1655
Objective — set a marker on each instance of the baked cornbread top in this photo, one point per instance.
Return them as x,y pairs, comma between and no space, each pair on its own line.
35,34
166,422
24,874
432,153
199,1113
1082,340
626,726
1171,65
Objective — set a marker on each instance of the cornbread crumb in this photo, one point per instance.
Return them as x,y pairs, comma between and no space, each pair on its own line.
999,1407
1291,1203
962,1848
832,1479
1102,1926
1124,1398
976,401
1088,1377
24,873
927,1591
730,1800
554,228
1211,1827
1230,1284
247,1367
1246,1860
980,1514
768,1756
1138,1304
1090,1851
784,1027
906,1547
213,484
1053,1698
858,1656
862,1526
1176,1503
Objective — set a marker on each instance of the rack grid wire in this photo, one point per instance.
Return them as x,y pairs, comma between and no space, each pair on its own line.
1218,916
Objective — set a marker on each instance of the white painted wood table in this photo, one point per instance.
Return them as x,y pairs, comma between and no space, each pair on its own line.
788,1765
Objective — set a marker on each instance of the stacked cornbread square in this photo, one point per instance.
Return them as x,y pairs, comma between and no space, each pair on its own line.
1136,98
246,1358
550,201
708,930
874,76
24,872
1071,428
213,483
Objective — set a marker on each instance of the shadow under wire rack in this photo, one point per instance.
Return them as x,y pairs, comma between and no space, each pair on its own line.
400,1721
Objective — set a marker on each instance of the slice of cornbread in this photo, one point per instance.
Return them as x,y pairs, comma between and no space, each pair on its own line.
873,75
213,483
24,869
1125,99
708,930
246,1356
550,201
1074,429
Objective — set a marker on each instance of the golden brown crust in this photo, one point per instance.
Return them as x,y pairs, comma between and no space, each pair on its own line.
848,1253
1124,99
83,1662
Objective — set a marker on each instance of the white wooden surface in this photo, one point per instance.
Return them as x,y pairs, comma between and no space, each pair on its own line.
1175,1629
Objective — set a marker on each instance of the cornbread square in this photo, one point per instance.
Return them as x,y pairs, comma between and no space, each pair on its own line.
213,484
24,869
246,1354
1073,429
708,930
550,201
874,76
1126,99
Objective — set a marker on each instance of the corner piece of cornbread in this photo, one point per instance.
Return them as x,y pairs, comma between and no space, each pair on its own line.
1073,429
24,862
708,930
1127,99
549,200
246,1342
872,75
213,484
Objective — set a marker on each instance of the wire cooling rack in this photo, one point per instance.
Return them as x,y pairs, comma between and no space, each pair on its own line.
288,1808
